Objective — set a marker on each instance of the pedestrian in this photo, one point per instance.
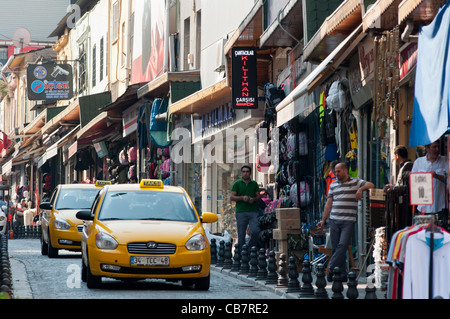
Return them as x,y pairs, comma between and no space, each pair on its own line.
245,192
342,207
20,209
435,163
405,165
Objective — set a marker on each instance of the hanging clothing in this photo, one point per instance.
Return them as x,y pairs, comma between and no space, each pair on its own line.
409,258
430,117
417,266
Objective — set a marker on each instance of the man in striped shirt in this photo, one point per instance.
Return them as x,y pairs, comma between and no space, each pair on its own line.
342,208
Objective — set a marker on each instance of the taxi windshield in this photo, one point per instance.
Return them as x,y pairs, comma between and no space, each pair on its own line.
143,205
76,198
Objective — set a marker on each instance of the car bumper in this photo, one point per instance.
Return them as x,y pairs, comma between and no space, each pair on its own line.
69,239
117,264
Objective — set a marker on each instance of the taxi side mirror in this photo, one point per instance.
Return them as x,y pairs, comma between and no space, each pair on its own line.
45,205
209,217
84,215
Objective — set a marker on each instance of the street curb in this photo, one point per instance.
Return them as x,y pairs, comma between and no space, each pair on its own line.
20,286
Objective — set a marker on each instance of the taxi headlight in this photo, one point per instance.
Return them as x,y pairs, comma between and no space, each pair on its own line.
105,241
2,218
61,224
196,242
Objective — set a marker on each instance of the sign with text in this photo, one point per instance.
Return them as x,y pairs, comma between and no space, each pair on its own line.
244,86
421,188
49,81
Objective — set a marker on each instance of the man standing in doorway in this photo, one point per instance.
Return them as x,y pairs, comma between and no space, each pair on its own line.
404,164
245,192
438,165
342,208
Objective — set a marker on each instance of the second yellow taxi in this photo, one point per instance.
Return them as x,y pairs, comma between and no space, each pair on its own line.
145,230
60,229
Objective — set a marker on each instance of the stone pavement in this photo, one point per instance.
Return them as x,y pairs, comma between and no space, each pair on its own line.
362,284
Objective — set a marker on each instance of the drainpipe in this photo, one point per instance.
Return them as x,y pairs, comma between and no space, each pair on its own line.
166,38
360,226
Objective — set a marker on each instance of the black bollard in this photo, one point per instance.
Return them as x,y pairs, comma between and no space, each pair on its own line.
262,265
282,273
243,270
253,263
321,283
307,288
220,257
227,256
293,283
213,251
236,259
337,286
370,289
352,291
271,269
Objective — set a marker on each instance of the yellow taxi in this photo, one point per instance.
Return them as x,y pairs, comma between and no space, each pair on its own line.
60,229
146,230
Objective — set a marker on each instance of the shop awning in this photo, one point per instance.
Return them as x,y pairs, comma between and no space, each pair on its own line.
99,128
204,100
382,15
430,118
69,115
419,11
290,30
53,149
334,30
161,85
298,101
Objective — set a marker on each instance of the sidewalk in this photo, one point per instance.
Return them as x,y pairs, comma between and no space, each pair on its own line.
362,284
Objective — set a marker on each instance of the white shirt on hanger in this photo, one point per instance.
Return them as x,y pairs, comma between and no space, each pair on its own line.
417,264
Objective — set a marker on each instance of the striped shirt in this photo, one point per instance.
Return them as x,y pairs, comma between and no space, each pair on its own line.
345,205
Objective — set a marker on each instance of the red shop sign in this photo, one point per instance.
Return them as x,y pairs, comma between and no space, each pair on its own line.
244,86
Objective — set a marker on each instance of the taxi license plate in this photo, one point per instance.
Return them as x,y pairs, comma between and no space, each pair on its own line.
149,261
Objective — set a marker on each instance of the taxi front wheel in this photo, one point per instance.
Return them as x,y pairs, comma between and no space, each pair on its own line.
92,280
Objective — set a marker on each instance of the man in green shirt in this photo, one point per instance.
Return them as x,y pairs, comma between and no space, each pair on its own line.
245,192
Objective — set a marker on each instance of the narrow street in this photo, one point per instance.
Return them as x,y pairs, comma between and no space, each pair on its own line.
60,278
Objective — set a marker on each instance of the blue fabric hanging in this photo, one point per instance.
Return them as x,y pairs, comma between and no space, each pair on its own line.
158,129
430,118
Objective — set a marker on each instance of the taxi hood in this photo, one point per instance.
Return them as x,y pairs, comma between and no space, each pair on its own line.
69,215
144,230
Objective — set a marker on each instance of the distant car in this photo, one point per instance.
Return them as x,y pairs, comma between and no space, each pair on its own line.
60,227
145,230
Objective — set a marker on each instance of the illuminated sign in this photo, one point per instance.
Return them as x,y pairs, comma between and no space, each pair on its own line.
244,86
49,81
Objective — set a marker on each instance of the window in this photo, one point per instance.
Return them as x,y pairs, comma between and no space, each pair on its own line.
94,65
116,17
187,27
124,47
101,60
82,68
198,40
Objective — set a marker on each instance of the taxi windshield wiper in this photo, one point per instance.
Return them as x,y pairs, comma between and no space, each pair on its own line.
111,218
153,218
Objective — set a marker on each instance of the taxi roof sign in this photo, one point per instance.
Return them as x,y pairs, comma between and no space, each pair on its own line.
151,183
102,183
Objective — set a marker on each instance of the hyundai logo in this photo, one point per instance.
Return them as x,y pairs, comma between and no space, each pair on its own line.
152,245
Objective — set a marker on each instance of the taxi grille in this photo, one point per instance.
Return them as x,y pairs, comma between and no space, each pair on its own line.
160,249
